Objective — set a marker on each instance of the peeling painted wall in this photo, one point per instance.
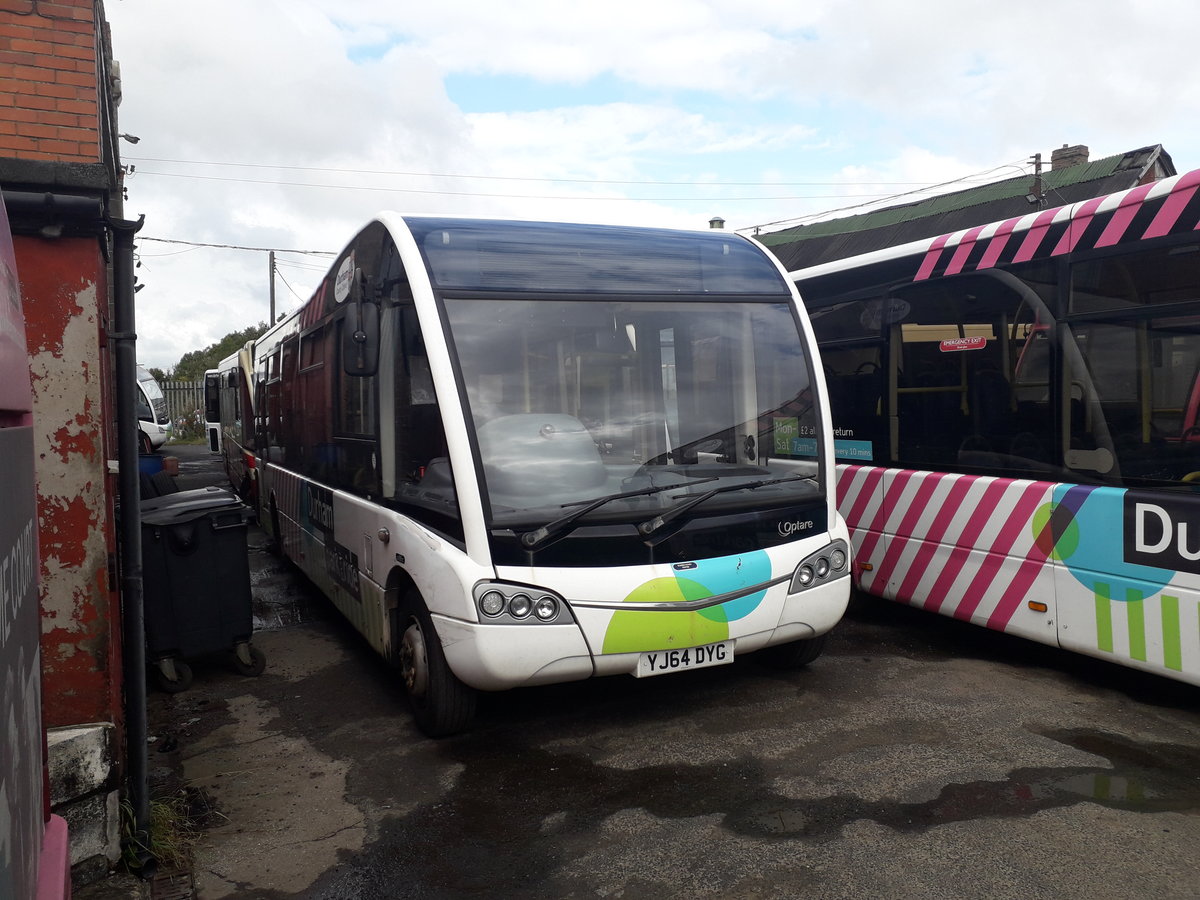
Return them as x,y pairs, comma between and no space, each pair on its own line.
64,284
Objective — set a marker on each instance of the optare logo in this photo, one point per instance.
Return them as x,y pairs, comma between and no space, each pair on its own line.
797,526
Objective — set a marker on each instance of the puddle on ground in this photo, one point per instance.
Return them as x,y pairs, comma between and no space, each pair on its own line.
508,792
1141,777
282,597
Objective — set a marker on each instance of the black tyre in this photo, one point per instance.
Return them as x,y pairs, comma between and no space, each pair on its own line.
441,704
144,445
794,654
276,532
256,666
172,675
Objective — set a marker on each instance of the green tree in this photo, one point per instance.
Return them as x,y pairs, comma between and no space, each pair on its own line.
191,366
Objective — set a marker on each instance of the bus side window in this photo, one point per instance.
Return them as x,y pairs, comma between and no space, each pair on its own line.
355,438
1136,322
953,380
420,436
1143,373
313,403
290,411
852,354
424,482
272,406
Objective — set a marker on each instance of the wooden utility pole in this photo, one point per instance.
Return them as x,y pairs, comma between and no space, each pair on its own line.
271,260
1038,192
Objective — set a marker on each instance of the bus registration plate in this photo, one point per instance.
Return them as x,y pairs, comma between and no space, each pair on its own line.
659,662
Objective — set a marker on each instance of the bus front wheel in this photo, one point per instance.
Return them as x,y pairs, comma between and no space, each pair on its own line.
441,704
793,654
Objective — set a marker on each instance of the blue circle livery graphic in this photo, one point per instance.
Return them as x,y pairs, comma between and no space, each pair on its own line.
1084,531
633,631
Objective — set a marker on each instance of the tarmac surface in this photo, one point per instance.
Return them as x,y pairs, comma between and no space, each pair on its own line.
919,757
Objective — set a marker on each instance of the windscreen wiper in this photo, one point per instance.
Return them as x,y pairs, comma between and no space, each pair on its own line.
652,525
533,539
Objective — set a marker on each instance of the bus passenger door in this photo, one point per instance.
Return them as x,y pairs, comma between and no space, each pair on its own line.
956,526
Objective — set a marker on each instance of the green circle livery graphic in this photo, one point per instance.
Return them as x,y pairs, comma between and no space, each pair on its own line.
1082,528
634,631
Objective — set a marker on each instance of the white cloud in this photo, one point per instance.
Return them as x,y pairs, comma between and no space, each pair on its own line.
808,100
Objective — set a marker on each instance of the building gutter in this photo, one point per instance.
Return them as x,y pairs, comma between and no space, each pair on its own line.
53,215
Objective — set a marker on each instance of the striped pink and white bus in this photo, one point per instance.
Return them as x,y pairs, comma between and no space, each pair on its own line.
1016,412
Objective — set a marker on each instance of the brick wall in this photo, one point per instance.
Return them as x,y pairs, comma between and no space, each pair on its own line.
57,130
53,102
49,98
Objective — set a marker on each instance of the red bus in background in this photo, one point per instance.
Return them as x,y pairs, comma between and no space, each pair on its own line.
230,416
34,857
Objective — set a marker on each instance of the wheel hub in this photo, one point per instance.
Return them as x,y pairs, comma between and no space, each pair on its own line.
414,663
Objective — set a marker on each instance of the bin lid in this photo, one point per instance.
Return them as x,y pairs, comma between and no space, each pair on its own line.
184,506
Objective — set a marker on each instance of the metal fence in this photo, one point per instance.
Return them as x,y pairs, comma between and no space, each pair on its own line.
185,405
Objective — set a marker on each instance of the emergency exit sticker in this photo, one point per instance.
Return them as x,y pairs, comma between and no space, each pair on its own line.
966,343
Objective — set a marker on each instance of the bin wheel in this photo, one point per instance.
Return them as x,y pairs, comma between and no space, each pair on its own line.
248,660
793,654
440,703
172,675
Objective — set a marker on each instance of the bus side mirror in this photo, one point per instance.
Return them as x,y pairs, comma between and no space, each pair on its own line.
360,330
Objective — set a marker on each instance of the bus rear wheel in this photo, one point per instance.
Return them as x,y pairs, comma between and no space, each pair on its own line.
441,704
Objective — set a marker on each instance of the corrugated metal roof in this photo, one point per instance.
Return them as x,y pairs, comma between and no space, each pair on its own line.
820,242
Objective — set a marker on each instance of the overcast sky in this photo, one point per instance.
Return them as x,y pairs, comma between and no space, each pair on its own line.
288,124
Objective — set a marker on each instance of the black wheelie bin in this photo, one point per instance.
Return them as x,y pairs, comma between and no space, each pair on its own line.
196,583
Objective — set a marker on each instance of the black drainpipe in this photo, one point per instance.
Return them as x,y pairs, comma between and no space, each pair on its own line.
133,618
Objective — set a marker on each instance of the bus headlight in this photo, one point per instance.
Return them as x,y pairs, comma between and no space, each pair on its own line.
500,603
519,606
492,603
826,564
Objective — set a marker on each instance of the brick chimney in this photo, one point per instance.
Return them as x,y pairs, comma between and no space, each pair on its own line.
1065,157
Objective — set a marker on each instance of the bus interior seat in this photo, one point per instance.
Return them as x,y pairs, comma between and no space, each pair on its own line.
426,438
437,477
540,455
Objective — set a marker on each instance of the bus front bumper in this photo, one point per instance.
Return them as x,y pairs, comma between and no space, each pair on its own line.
493,657
499,657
